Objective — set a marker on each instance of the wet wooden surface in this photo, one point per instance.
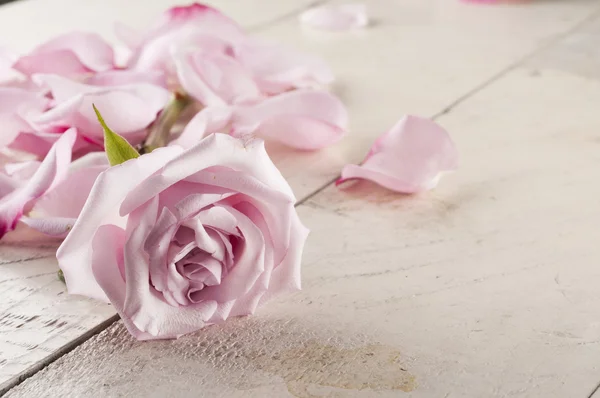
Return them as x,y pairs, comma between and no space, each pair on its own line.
486,286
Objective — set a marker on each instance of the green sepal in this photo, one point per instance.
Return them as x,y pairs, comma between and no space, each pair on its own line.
117,149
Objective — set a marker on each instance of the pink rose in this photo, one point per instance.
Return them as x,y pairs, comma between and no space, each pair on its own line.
178,240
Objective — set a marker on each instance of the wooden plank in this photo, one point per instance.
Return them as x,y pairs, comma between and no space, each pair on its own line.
420,57
485,287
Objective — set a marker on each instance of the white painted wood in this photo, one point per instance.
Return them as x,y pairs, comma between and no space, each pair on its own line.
485,287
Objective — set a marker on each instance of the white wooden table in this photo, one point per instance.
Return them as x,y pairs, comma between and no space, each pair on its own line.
486,287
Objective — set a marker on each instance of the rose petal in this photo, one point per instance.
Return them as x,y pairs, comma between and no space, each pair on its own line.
336,17
68,54
55,213
249,264
215,79
216,149
17,108
304,119
125,77
75,253
147,311
142,100
52,170
409,158
197,25
209,120
278,69
107,261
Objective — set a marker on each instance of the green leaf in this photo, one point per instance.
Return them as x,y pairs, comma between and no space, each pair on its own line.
61,276
118,150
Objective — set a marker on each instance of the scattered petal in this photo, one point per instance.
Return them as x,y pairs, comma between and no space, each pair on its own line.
143,101
336,17
303,119
215,79
196,25
277,69
67,55
52,170
409,158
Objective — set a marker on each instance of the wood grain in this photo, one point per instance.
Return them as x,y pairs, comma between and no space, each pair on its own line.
483,287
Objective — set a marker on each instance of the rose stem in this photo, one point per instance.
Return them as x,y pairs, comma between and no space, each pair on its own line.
161,129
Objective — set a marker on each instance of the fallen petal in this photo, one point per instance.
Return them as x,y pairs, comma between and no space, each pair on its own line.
277,69
68,54
409,158
303,119
52,170
332,17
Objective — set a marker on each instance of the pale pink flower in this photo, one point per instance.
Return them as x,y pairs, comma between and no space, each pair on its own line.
409,158
303,119
178,240
70,54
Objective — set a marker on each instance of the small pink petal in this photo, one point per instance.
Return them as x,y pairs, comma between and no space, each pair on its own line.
52,170
409,158
68,54
304,119
336,17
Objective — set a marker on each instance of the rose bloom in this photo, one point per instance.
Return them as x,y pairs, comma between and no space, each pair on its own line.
180,239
